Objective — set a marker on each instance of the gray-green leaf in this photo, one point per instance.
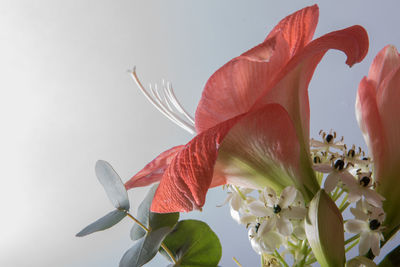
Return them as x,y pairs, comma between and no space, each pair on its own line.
144,249
103,223
150,219
194,244
113,185
324,230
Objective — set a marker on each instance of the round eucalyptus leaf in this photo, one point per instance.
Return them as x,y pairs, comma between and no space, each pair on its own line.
144,249
194,244
150,219
113,185
103,223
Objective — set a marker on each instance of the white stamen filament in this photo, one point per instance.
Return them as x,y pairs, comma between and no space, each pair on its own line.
165,101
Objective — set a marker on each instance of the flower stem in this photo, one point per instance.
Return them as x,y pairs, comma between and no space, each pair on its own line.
147,230
282,260
351,239
236,261
239,192
352,245
344,207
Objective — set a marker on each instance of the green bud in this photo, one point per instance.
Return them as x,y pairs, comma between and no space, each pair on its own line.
324,230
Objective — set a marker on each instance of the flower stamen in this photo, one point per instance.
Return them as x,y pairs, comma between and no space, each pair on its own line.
165,101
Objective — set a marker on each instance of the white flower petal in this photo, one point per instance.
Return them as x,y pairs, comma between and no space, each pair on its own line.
227,199
287,196
235,215
247,218
354,195
348,179
271,241
331,181
375,243
236,201
373,197
299,232
270,197
324,168
266,226
355,226
258,208
364,244
284,226
294,213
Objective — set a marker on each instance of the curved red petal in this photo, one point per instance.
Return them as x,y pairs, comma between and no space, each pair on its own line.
385,62
154,170
369,120
298,29
234,88
185,182
290,87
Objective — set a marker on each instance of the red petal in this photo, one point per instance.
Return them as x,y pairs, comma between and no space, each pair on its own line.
153,171
262,149
298,29
370,121
290,87
185,183
234,88
385,62
264,140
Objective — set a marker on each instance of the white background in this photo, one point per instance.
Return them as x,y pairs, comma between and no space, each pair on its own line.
67,100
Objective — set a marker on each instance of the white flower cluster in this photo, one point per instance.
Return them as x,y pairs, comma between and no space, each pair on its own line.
349,172
275,220
272,220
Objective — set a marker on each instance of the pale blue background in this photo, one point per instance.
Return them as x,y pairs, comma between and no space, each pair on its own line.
67,100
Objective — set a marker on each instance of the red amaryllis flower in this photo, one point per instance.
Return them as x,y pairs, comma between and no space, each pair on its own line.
377,109
253,119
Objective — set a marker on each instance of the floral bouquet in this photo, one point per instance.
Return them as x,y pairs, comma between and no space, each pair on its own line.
252,137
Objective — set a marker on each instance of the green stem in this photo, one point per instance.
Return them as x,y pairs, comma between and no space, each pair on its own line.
280,258
344,207
239,192
352,245
333,195
340,194
147,230
351,239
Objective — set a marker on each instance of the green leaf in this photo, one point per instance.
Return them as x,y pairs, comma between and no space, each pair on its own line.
144,249
113,185
194,244
103,223
150,219
324,230
392,259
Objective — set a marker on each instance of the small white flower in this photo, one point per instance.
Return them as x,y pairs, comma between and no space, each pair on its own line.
368,224
362,187
337,171
328,141
278,211
263,239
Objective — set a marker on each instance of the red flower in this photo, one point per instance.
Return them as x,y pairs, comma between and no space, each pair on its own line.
377,109
253,119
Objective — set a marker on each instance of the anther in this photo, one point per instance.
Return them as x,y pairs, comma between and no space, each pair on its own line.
374,224
329,138
365,181
257,226
339,165
277,209
351,153
317,160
